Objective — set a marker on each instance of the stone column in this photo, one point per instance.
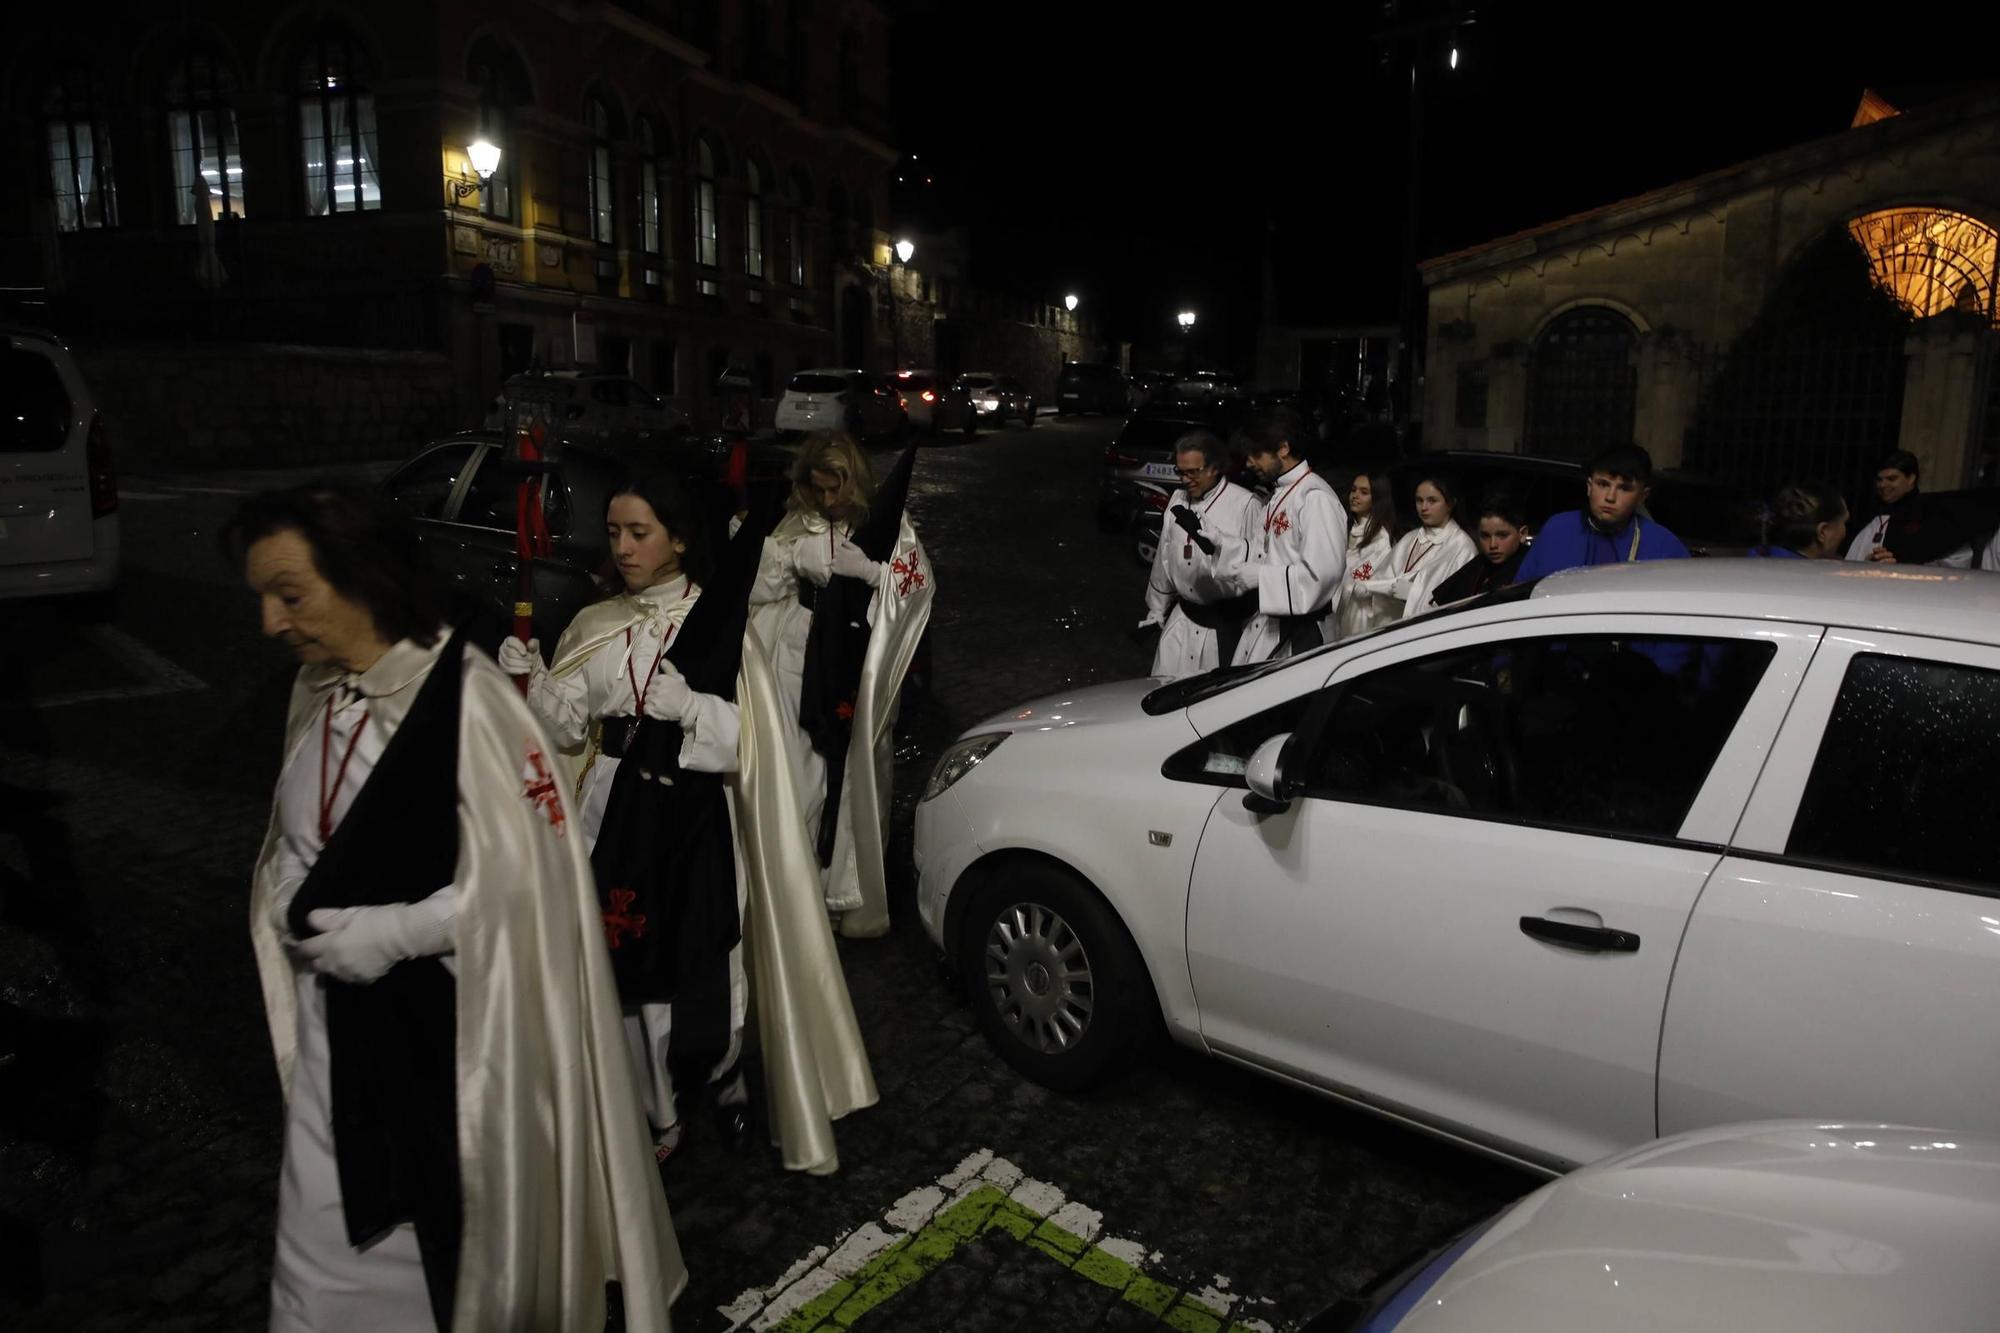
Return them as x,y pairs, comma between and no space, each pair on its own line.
1668,386
1940,398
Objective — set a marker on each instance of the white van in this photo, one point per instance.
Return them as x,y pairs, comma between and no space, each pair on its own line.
58,499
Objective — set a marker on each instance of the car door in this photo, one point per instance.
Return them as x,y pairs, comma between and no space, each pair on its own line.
1845,961
45,501
1470,912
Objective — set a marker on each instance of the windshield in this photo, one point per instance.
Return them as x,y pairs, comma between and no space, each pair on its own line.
1192,690
976,381
915,383
808,382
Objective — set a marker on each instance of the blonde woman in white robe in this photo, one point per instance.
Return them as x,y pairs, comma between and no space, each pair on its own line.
1370,538
1427,554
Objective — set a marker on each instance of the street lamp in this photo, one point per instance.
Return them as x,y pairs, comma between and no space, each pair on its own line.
1069,303
904,251
1186,320
485,158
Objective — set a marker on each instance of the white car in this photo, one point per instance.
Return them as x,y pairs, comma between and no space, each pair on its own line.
1621,853
933,406
58,498
998,397
861,404
1784,1227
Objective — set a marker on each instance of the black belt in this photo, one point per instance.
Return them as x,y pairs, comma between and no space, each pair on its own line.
1214,615
1299,633
611,736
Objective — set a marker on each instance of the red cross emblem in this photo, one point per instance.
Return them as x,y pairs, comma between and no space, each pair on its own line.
1281,524
906,570
542,793
844,710
622,918
1364,573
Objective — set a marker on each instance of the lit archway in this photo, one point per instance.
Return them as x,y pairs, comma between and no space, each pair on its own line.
1932,259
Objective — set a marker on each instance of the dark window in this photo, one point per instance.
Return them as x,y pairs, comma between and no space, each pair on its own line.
1598,733
86,193
707,253
1471,395
1903,782
1583,382
337,129
603,215
493,499
766,374
517,348
423,485
665,370
614,353
34,406
753,228
201,122
718,362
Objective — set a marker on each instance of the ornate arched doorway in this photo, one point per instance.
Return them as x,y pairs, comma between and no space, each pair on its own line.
1583,381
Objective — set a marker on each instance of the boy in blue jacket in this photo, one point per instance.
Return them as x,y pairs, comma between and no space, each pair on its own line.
1609,529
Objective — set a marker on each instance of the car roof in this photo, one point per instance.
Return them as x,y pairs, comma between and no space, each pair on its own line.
1927,600
828,370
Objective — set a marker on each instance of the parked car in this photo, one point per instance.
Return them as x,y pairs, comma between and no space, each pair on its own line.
863,405
1624,852
603,410
1210,384
1788,1227
1140,461
999,398
1147,386
58,498
933,406
1090,386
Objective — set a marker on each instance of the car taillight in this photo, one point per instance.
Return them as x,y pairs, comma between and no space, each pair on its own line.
929,397
1112,458
1155,500
97,457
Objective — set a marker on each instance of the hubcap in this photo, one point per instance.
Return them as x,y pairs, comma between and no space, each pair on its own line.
1038,976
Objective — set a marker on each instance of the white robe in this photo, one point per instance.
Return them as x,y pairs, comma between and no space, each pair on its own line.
1361,609
856,884
556,1172
1297,559
1183,572
1863,544
1421,559
592,683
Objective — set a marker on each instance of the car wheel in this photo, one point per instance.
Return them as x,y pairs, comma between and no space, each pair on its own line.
1056,982
1145,535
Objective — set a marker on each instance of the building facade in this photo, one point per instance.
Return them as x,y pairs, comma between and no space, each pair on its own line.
1676,318
265,231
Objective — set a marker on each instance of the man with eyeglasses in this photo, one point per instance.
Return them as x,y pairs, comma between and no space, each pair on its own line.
1202,541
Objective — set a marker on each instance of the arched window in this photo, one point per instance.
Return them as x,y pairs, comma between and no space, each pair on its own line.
753,227
652,205
795,228
80,157
603,214
502,81
337,128
201,127
1933,259
1583,382
706,247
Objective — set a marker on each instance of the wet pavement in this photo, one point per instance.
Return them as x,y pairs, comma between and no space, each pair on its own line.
139,1115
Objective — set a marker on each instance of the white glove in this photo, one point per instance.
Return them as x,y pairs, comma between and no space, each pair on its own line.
669,696
521,659
1149,621
850,561
359,944
813,561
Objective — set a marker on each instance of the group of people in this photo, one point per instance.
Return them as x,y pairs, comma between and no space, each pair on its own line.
1238,578
511,912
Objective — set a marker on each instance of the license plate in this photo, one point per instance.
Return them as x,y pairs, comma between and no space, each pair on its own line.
1161,470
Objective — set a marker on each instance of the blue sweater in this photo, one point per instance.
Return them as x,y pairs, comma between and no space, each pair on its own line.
1568,541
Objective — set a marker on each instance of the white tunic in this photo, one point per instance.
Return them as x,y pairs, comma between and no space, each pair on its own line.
1297,560
1421,559
1871,533
1360,608
1183,572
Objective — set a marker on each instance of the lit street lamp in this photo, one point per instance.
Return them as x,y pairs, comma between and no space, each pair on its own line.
484,155
1069,303
1186,320
904,251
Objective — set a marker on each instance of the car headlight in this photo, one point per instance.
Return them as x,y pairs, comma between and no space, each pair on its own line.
961,759
989,404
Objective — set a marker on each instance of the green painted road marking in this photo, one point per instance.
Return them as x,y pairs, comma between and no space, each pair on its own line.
831,1293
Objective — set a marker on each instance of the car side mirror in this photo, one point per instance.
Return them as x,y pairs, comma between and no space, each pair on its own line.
1267,781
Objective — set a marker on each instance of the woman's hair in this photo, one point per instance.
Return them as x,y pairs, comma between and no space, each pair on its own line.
361,545
836,452
1791,520
1383,515
678,514
1446,487
1505,504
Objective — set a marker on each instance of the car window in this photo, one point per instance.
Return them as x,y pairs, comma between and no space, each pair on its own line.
493,497
1599,733
612,393
1902,783
421,486
34,406
807,382
978,381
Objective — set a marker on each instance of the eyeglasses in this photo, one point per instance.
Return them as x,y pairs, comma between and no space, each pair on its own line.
1190,473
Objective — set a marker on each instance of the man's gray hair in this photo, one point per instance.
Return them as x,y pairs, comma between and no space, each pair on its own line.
1206,443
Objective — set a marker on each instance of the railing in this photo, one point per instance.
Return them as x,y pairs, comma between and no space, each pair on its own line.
1792,408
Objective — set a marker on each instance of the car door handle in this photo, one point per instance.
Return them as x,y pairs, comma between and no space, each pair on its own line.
1572,936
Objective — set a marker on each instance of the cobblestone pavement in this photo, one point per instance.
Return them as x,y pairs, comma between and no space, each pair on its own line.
139,1118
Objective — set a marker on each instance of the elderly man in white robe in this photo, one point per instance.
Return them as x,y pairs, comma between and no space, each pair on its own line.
1296,558
1209,519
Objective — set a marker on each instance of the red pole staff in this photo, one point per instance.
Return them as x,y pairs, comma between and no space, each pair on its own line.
531,533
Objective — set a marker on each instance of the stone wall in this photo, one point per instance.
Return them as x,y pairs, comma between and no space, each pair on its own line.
261,405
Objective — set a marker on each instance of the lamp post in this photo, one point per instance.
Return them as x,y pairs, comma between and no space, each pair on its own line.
1069,303
484,155
904,250
1186,320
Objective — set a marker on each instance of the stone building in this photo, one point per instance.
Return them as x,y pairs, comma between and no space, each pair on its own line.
263,228
1668,318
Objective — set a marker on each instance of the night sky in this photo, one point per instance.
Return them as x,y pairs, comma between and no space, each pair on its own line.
1136,153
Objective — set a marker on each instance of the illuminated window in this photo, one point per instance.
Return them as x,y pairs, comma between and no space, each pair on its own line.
1932,259
336,130
603,218
201,125
706,249
80,159
753,227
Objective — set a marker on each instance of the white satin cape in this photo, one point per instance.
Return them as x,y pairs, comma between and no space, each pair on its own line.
815,1063
556,1168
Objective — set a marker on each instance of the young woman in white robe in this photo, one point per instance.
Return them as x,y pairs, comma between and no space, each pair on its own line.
1371,500
832,490
610,669
1427,554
